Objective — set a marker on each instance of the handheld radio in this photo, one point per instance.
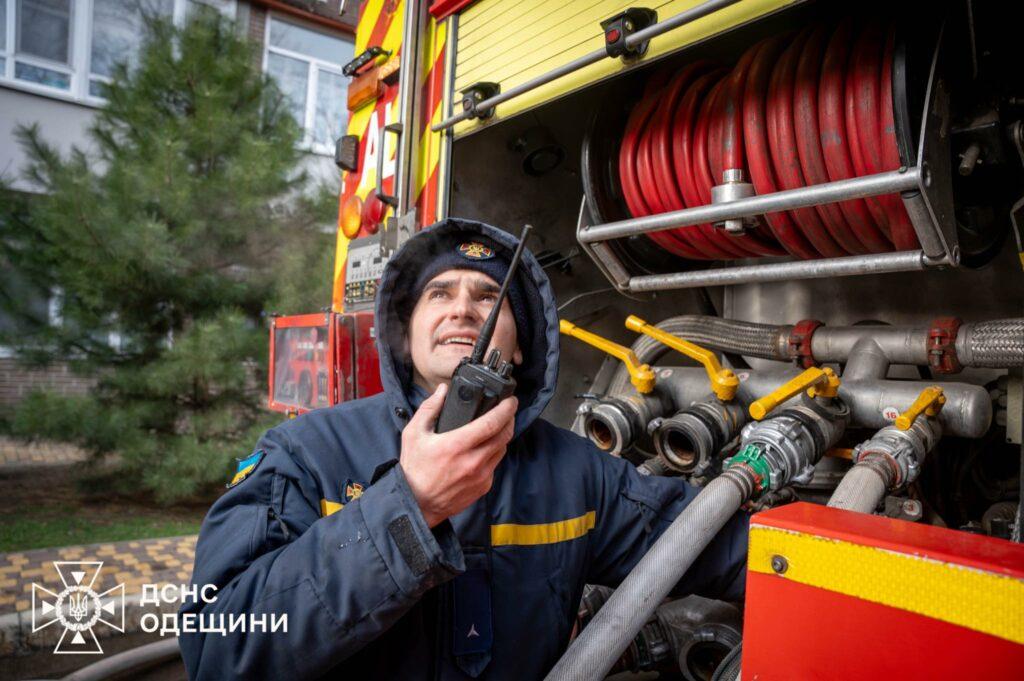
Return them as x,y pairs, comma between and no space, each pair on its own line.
477,386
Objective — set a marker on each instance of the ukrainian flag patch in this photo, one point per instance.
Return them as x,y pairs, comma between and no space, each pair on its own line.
246,466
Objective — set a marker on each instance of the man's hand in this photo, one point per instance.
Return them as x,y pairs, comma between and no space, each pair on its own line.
449,471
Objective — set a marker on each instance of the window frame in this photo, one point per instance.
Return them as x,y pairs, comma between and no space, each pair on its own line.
79,70
313,67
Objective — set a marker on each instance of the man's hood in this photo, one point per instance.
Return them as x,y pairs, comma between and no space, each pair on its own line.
537,375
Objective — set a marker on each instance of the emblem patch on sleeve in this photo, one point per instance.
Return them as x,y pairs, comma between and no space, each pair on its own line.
246,466
351,490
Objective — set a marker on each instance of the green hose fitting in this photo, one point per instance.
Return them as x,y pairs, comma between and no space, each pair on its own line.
753,457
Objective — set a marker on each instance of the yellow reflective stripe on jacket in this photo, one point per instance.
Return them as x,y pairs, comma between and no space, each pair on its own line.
543,533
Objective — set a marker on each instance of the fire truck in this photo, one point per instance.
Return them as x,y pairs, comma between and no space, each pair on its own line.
785,242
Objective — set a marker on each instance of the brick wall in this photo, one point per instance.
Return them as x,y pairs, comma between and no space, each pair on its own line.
257,23
17,381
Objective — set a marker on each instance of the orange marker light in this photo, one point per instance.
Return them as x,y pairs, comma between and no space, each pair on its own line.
351,216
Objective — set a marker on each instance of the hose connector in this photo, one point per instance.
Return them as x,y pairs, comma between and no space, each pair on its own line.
615,423
640,375
817,382
929,403
783,449
753,457
723,381
691,440
733,188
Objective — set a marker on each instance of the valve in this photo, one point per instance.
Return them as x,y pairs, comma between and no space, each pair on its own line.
929,402
723,381
817,382
640,375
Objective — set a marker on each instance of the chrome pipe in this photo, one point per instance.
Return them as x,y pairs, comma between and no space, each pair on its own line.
881,263
901,345
968,410
803,197
681,19
867,361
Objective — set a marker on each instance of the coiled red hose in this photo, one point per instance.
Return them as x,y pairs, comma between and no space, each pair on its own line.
794,111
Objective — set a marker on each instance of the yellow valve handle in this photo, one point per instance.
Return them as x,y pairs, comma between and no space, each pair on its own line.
723,381
640,375
817,382
929,402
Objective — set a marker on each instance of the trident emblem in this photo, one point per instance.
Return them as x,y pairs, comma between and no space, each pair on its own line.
78,607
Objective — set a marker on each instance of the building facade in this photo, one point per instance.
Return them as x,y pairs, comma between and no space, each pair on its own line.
54,54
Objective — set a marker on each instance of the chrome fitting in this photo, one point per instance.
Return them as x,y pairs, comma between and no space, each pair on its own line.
791,441
690,440
903,451
733,188
615,424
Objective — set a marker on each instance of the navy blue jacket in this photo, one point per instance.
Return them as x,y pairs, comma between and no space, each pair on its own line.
368,588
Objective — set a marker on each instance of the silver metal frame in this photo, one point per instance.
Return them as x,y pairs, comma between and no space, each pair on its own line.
444,191
415,19
926,190
638,38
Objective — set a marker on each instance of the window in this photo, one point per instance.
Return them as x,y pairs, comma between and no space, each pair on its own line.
307,67
43,42
116,35
67,48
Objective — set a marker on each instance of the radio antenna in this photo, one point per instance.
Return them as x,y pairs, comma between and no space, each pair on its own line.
484,339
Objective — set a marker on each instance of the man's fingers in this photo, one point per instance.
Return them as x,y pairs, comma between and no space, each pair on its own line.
428,412
490,424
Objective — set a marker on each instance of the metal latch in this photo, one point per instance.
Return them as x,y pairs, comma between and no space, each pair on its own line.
350,69
477,93
621,26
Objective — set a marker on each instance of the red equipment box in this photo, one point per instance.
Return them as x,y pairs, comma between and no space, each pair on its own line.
319,360
837,595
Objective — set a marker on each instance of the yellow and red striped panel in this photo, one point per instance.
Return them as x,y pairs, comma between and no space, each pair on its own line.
842,595
432,92
381,24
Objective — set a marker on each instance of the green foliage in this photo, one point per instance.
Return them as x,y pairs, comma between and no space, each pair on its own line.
167,241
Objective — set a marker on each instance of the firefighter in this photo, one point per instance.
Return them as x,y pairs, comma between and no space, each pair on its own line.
393,552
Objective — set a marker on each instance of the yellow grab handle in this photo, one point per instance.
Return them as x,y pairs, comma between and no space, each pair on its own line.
723,381
929,402
640,375
823,382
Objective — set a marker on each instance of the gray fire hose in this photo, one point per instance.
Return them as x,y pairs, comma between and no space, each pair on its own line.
601,642
130,663
862,488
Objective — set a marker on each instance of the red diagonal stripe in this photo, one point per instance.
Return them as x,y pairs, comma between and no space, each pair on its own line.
431,92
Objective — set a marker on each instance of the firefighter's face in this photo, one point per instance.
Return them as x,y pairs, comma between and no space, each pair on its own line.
446,322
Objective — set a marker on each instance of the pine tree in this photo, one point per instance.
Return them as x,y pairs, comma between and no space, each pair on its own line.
166,240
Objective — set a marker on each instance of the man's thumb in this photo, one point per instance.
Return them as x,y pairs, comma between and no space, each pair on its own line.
431,406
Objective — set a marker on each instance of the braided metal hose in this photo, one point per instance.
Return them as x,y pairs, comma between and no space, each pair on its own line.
996,344
602,641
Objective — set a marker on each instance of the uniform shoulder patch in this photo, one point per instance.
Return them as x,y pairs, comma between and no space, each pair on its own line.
246,466
474,250
351,490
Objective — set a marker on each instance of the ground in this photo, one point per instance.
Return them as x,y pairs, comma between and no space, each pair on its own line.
45,506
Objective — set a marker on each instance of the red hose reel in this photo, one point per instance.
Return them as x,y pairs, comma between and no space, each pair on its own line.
794,111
